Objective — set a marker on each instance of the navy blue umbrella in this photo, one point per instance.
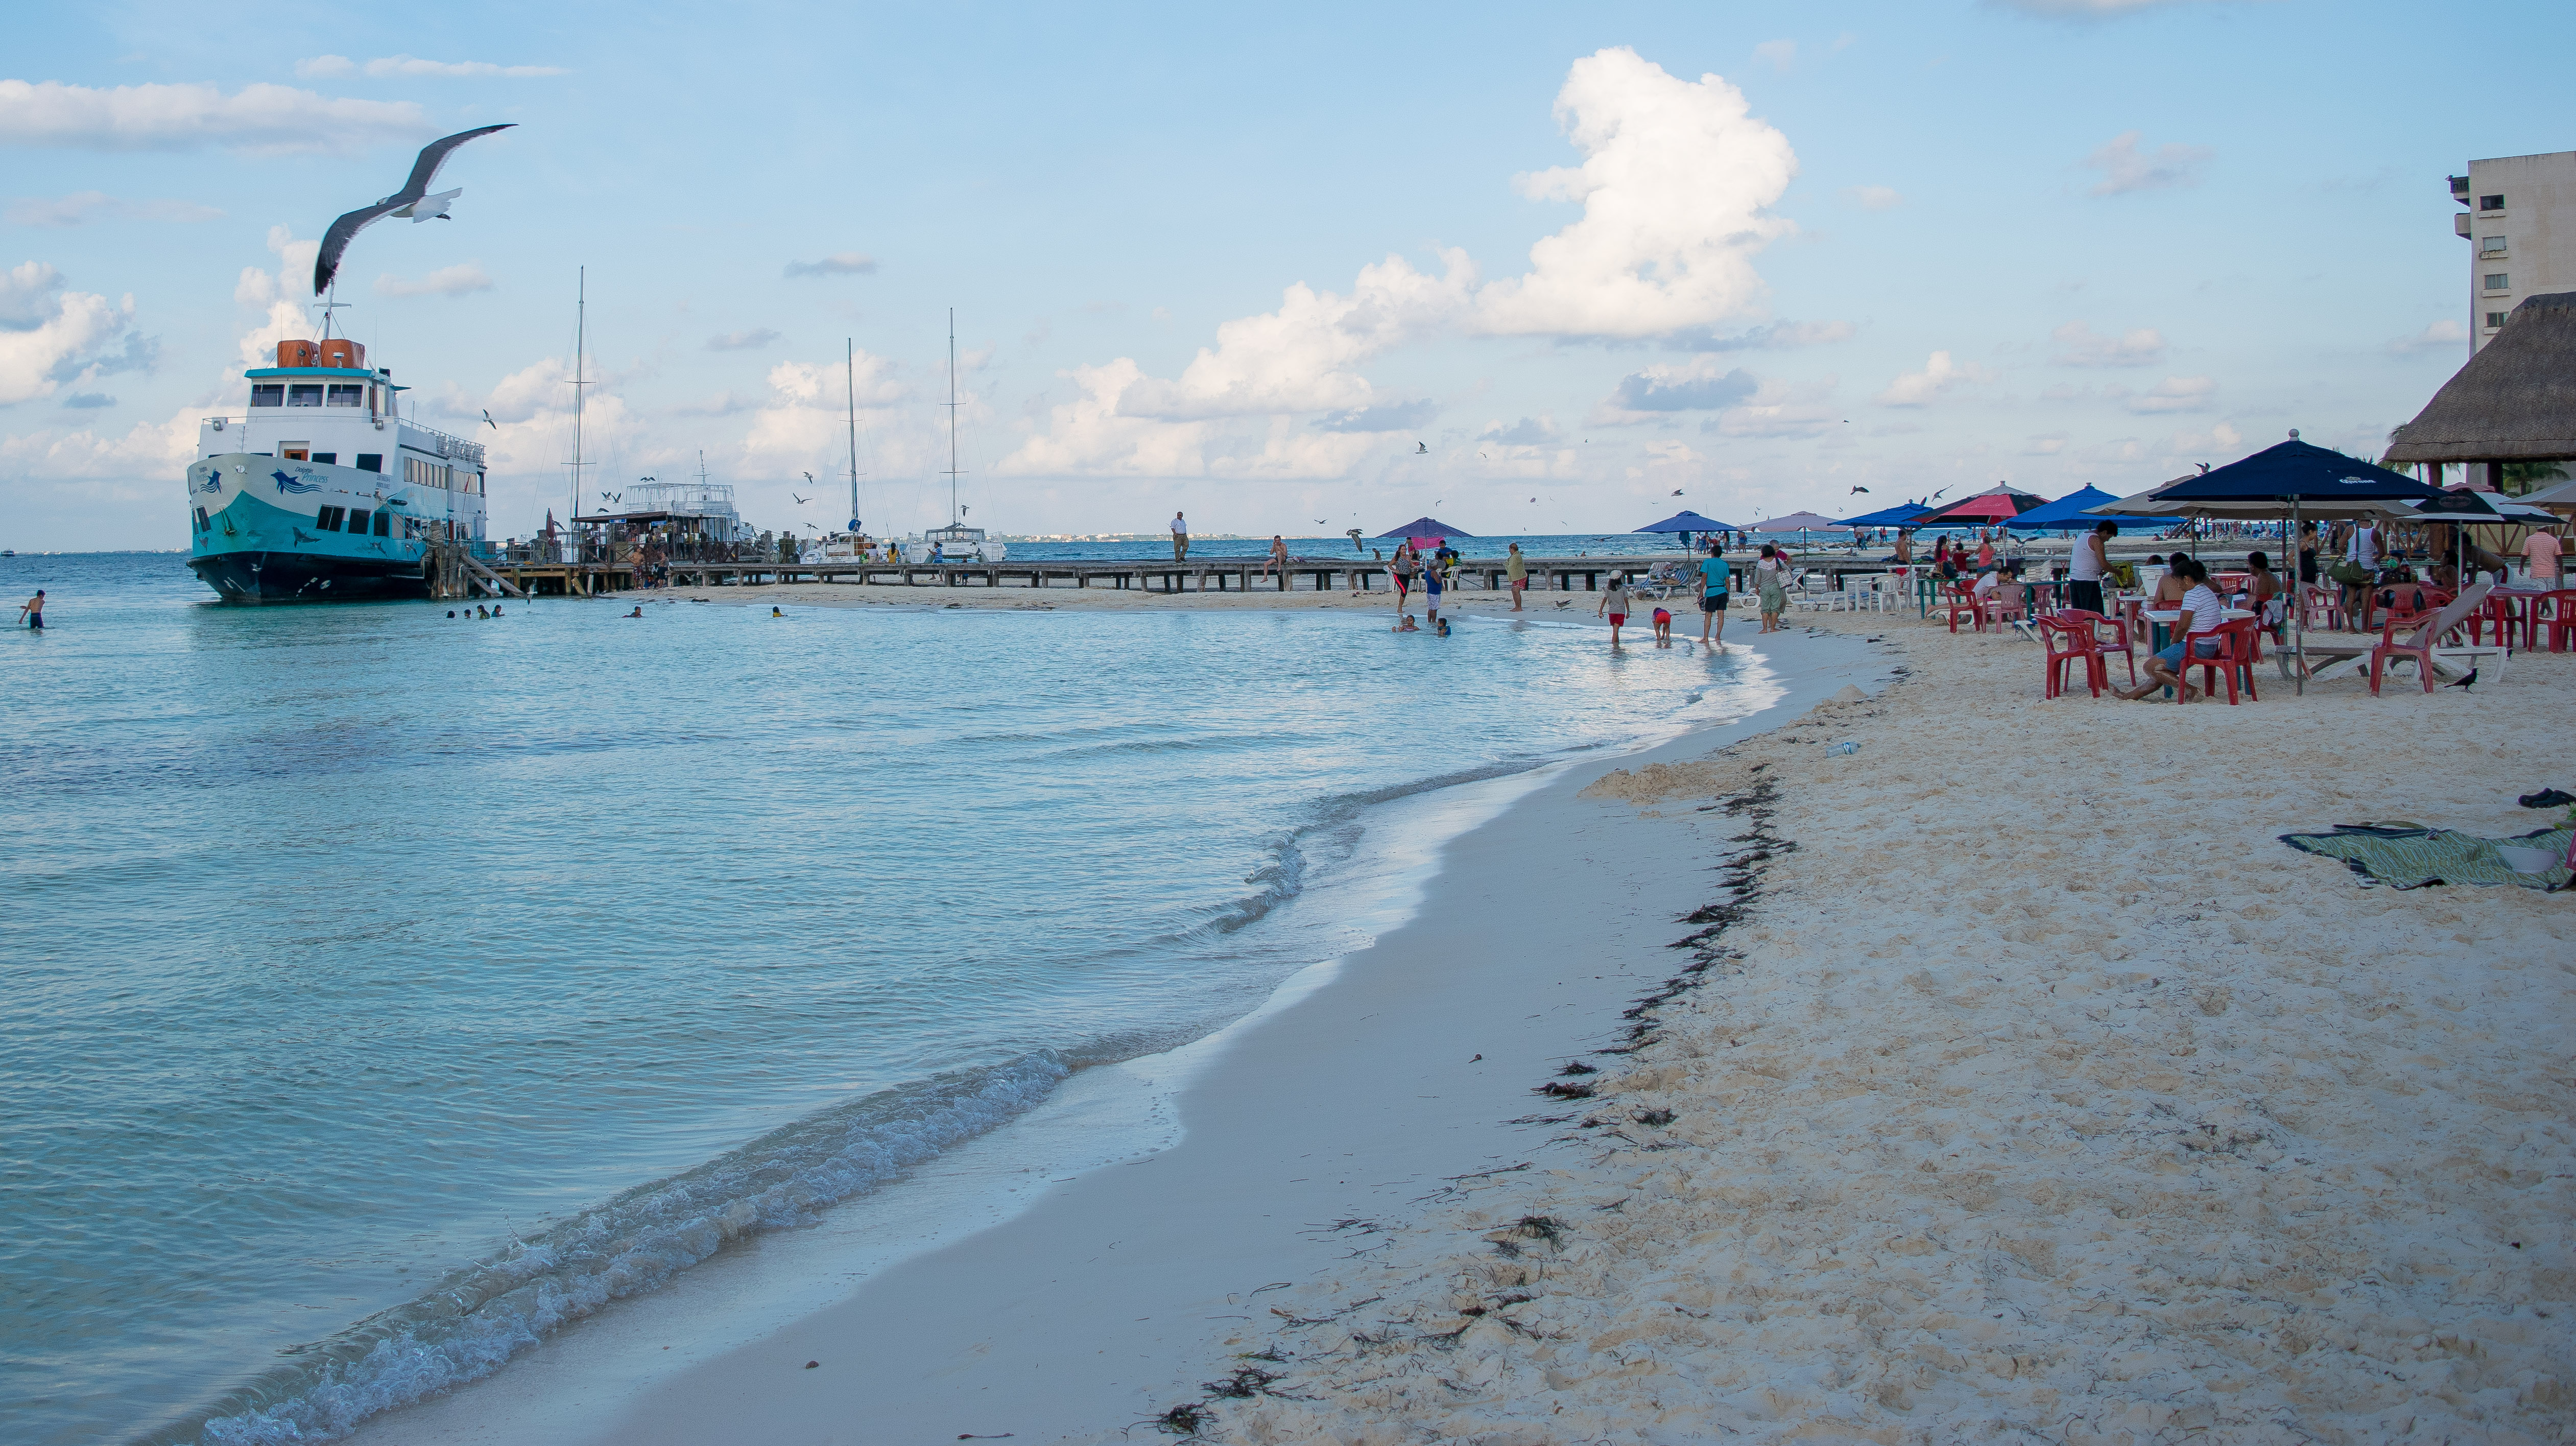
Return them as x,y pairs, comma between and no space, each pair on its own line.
1896,516
2067,512
2295,469
1687,521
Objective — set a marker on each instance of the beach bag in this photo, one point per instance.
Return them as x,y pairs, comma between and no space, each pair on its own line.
2349,573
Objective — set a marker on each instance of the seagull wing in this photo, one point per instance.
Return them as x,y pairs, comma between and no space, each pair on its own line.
424,170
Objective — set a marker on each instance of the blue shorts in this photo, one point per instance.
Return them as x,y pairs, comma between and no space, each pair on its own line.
2201,648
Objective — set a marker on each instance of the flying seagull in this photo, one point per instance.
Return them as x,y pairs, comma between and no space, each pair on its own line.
487,420
800,501
1421,447
412,200
1860,489
1677,492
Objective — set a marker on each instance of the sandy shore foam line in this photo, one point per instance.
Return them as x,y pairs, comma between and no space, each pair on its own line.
2015,1084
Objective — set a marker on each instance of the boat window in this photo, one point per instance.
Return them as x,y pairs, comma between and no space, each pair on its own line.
384,522
304,394
371,461
332,458
203,524
349,394
328,519
357,519
294,451
268,394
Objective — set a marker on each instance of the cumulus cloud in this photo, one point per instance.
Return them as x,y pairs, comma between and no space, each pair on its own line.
2445,335
147,455
1675,184
82,207
2079,345
1701,384
1940,376
2175,394
839,263
454,280
1535,431
322,66
2125,168
752,339
51,336
1384,417
1781,410
1874,198
260,118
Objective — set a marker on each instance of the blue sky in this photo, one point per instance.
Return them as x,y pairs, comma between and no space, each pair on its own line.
1276,270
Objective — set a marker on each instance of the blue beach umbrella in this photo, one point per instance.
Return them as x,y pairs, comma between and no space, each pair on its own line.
1896,516
1687,522
2069,514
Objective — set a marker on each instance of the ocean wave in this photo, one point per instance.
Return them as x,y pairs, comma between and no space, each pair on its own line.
478,1317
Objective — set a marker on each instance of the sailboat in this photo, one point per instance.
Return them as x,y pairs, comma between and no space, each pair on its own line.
955,542
854,542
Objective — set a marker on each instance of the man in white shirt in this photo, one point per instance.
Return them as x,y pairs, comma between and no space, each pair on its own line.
2194,635
2084,570
1180,536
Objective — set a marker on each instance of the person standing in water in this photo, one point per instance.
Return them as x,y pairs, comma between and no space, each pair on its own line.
1715,576
1431,585
1517,571
1614,605
33,610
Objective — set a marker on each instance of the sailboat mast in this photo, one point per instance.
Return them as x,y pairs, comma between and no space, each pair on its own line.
952,416
851,375
580,356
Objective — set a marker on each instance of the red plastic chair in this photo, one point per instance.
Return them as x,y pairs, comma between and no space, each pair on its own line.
2105,632
2240,647
2418,646
1959,603
2070,642
2555,613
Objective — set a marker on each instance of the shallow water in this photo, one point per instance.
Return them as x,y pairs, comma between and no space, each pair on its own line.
389,989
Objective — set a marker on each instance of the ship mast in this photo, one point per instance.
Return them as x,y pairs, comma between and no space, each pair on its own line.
952,417
852,374
580,357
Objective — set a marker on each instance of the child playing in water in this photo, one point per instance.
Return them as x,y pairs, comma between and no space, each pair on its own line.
1663,627
1614,605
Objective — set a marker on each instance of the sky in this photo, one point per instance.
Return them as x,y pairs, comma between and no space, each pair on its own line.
1529,269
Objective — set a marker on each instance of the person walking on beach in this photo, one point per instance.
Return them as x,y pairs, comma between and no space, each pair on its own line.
2540,552
1770,575
33,610
1180,536
1714,576
2084,570
1614,605
1517,572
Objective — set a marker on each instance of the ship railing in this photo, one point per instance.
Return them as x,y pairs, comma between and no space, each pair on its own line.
448,444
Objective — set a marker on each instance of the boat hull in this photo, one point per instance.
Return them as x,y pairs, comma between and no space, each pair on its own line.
304,577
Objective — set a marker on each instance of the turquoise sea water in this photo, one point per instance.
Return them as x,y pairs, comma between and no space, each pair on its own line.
386,990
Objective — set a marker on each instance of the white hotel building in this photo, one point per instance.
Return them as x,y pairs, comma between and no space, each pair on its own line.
2521,228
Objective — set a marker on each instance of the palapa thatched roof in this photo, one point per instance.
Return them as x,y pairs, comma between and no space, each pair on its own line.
2514,402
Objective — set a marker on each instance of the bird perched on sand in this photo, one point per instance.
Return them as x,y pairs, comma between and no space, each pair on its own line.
412,200
2464,682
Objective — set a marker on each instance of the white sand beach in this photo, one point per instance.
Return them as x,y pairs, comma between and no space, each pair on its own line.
2016,1084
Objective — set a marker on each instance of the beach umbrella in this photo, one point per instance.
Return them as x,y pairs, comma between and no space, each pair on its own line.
1800,522
2296,477
1424,527
1900,515
2067,513
1999,503
1687,522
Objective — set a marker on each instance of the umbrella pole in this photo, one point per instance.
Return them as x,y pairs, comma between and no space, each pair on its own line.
2298,600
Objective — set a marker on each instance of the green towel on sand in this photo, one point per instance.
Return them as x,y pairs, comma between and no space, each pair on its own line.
2410,857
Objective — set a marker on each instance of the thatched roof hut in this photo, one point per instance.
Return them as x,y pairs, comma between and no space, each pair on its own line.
2514,402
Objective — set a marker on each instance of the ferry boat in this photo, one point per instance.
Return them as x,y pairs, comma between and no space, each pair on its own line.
322,491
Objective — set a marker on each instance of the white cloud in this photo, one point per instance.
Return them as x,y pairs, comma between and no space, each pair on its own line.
1874,198
1939,376
1382,417
263,117
149,454
1771,336
454,280
2081,346
839,263
2443,335
1702,384
1527,432
407,65
2046,444
1777,54
2175,394
2125,168
1780,409
751,339
81,207
1676,183
50,336
280,295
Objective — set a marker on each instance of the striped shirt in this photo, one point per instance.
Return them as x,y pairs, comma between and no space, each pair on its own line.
2207,612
